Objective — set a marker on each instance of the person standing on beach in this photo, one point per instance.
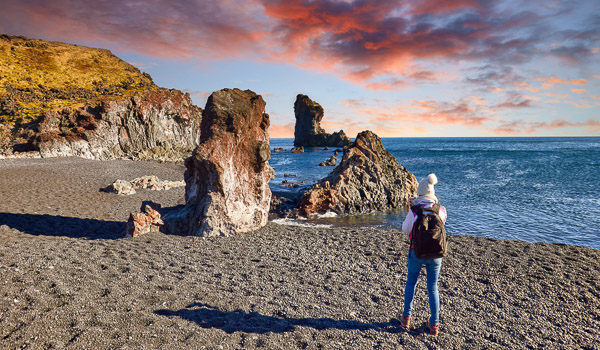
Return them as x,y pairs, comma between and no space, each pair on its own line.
426,200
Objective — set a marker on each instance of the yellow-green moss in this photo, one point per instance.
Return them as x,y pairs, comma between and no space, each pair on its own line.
32,71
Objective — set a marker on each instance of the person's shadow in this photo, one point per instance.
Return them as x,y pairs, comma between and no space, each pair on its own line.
207,316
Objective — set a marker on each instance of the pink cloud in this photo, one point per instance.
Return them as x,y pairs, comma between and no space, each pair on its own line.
376,44
281,131
165,29
526,127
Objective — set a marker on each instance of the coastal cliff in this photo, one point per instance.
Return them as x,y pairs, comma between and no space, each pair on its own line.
59,99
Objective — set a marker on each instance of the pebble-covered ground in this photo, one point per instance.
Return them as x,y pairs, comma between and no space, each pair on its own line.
68,279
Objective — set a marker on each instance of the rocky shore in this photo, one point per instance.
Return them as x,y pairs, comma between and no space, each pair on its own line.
68,279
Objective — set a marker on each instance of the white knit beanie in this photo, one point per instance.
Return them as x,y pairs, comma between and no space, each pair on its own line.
425,189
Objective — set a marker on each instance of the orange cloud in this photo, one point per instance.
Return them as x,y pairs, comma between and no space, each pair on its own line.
579,91
548,82
351,102
557,95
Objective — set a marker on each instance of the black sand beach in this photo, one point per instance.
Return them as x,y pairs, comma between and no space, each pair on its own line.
68,279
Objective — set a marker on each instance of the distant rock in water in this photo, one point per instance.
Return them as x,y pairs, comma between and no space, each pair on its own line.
227,176
308,131
60,100
368,179
329,162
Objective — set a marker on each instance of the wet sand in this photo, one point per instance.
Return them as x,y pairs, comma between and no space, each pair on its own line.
68,279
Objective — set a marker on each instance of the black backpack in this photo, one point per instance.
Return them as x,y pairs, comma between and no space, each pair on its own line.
429,239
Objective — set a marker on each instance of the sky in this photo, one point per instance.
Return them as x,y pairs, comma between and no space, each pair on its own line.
430,68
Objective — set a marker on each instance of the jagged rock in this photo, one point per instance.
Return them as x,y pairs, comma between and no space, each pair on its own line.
298,149
149,220
150,182
289,175
308,131
227,176
121,187
367,179
278,149
159,124
329,162
294,184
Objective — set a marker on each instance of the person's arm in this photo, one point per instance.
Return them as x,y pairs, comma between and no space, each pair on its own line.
409,221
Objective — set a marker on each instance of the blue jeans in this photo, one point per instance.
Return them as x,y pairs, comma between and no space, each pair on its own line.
432,266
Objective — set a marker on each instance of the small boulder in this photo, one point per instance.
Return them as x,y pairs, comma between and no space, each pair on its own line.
298,149
150,182
329,162
148,220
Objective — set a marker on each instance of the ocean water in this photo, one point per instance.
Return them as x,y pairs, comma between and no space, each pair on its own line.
530,189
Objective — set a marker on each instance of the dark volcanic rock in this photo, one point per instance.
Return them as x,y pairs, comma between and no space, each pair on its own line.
367,179
308,131
227,176
329,162
155,124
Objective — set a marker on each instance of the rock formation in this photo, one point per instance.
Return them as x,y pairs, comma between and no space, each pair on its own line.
66,100
156,124
367,179
150,182
308,131
149,220
227,176
329,162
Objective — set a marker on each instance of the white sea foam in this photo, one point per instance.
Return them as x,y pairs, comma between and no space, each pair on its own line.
328,214
291,222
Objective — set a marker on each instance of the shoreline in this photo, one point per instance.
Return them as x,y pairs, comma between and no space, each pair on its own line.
68,279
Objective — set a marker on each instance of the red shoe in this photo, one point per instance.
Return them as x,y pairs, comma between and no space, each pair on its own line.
404,321
433,330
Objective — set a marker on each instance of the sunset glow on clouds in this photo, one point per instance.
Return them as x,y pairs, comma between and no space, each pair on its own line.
410,68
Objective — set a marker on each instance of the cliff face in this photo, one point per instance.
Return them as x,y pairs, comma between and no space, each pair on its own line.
155,124
66,100
308,131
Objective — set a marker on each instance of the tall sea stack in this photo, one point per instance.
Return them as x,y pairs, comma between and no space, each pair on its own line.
227,176
308,131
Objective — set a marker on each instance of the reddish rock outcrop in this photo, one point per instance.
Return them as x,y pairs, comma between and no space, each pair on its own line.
227,176
149,220
308,131
161,124
368,179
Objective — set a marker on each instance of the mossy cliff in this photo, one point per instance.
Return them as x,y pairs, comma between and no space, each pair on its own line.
59,99
37,76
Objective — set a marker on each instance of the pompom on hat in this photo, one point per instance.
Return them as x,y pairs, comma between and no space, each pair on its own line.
425,189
